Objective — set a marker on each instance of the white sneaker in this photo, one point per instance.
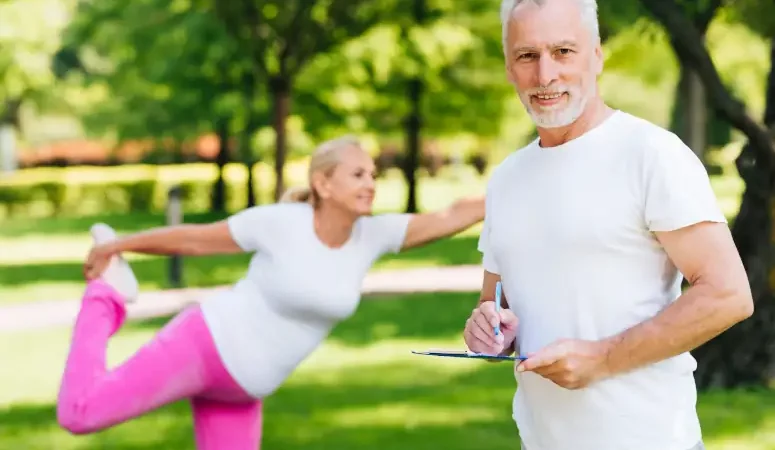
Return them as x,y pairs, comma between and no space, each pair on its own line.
118,274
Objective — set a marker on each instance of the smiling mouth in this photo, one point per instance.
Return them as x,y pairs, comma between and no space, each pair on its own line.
549,98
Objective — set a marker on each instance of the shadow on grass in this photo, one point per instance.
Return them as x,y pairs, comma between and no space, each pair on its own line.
388,402
385,406
348,415
151,271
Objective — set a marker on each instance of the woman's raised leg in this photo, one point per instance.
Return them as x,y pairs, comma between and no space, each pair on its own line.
176,364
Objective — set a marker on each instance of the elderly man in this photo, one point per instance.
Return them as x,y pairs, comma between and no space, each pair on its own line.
590,228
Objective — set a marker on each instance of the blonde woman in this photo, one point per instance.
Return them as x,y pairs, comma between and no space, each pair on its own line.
312,251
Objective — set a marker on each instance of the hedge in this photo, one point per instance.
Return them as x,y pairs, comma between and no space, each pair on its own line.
82,191
89,190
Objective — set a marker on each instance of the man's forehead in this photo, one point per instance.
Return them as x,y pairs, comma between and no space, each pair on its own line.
556,23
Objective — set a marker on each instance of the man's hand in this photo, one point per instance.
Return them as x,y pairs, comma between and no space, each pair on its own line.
480,335
569,363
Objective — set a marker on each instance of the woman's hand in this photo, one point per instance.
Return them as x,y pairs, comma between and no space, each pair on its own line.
97,261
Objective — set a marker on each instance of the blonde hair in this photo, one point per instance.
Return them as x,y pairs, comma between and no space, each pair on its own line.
324,159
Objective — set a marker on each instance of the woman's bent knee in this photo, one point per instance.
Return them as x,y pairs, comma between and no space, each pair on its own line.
74,421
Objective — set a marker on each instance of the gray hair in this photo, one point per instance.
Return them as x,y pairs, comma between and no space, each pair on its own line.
588,15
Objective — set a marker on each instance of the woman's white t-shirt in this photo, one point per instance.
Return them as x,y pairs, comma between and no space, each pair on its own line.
295,291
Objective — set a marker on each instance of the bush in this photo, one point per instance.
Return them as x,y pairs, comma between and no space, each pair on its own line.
83,191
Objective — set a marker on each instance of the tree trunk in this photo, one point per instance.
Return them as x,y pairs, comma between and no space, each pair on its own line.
218,203
281,107
9,123
250,185
696,125
745,354
413,143
691,108
414,120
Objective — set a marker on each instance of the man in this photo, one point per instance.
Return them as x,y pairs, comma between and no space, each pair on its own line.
589,229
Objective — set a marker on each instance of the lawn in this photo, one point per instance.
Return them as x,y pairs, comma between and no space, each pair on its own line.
361,389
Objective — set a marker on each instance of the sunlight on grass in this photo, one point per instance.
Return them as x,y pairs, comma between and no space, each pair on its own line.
361,389
410,415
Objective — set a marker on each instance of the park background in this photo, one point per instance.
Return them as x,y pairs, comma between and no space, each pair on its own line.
106,106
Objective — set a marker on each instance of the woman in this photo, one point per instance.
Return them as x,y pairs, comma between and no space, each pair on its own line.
312,252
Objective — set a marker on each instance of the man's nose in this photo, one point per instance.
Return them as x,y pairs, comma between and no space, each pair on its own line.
548,70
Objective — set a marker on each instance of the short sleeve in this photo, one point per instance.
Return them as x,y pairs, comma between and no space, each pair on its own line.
678,190
484,245
386,232
250,228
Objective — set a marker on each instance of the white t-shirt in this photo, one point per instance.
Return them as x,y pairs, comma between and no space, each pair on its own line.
570,231
295,290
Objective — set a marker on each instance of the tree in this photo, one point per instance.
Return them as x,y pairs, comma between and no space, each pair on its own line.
433,70
743,354
690,111
171,85
29,37
283,36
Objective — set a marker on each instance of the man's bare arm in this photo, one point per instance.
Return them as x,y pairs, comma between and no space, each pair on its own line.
719,297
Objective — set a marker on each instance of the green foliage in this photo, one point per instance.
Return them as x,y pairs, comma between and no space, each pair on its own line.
29,36
456,53
758,15
169,69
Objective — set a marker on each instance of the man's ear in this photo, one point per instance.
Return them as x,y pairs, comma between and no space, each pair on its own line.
599,58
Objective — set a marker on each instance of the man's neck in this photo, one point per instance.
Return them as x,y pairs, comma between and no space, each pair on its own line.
595,113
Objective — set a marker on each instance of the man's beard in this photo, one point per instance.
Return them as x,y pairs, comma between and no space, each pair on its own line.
570,106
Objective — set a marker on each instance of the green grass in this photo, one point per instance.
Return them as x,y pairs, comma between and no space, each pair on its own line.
361,389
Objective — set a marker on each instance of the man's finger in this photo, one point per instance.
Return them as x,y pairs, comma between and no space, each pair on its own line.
542,358
487,310
478,343
484,327
487,339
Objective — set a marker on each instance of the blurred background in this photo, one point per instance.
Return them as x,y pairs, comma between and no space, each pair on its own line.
149,112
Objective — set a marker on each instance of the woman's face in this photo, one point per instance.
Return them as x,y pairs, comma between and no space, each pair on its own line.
351,185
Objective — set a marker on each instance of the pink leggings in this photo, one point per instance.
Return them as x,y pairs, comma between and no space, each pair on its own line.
181,362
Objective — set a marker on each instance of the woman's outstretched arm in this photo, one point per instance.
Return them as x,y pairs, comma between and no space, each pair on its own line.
204,239
428,227
188,239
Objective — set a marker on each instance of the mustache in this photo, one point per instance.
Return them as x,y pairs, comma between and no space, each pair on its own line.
548,91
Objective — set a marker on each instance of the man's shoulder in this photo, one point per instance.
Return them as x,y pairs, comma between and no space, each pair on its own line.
646,133
511,163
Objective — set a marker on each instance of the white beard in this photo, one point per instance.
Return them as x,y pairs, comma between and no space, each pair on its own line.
560,115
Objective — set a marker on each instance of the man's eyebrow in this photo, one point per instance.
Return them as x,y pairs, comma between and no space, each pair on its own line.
530,48
565,43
